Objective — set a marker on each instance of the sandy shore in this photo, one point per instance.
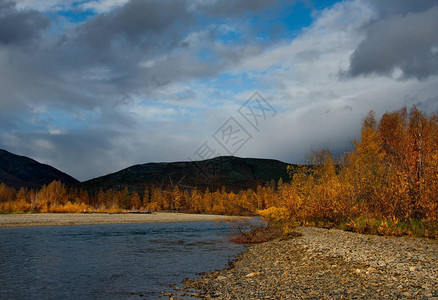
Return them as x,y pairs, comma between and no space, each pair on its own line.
50,219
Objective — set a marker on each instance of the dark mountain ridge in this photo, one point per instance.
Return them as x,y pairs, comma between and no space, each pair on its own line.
233,173
21,171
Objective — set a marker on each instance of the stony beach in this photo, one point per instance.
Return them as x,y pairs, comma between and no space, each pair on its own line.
59,219
325,264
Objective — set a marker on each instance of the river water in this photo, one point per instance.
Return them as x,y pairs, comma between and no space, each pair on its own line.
128,261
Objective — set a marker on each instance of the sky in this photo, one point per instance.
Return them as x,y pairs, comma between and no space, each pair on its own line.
92,87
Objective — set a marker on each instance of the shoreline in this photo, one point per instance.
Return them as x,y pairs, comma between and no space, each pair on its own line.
325,264
68,219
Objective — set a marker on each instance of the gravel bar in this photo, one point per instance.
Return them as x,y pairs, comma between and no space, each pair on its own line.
60,219
325,264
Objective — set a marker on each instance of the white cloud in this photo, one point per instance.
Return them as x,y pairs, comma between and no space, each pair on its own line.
152,113
44,5
102,6
99,6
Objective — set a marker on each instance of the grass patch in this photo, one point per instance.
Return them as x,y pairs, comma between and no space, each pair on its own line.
383,227
391,227
250,233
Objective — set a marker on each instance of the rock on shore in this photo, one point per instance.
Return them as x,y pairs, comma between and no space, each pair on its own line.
327,264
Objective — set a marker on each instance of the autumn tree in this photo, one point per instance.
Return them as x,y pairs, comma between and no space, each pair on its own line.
135,201
51,196
366,167
146,199
100,199
6,193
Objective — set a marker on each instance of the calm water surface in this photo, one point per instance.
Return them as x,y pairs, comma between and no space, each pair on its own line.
108,261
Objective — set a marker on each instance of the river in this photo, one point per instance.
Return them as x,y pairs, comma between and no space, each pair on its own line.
124,261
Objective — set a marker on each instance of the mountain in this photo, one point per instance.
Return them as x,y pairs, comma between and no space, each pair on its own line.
233,173
17,171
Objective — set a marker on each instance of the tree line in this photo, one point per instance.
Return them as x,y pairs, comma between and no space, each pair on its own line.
56,197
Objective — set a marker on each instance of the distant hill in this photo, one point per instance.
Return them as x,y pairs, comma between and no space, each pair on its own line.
17,171
233,173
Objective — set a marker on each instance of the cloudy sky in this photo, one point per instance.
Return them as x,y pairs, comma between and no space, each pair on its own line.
92,87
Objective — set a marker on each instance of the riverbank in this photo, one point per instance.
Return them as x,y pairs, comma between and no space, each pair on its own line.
327,264
58,219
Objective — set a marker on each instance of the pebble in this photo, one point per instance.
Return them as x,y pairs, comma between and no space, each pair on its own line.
382,264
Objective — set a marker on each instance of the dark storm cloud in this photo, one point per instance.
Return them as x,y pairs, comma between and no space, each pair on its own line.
103,58
146,24
155,31
17,27
91,64
402,37
387,8
96,62
157,26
